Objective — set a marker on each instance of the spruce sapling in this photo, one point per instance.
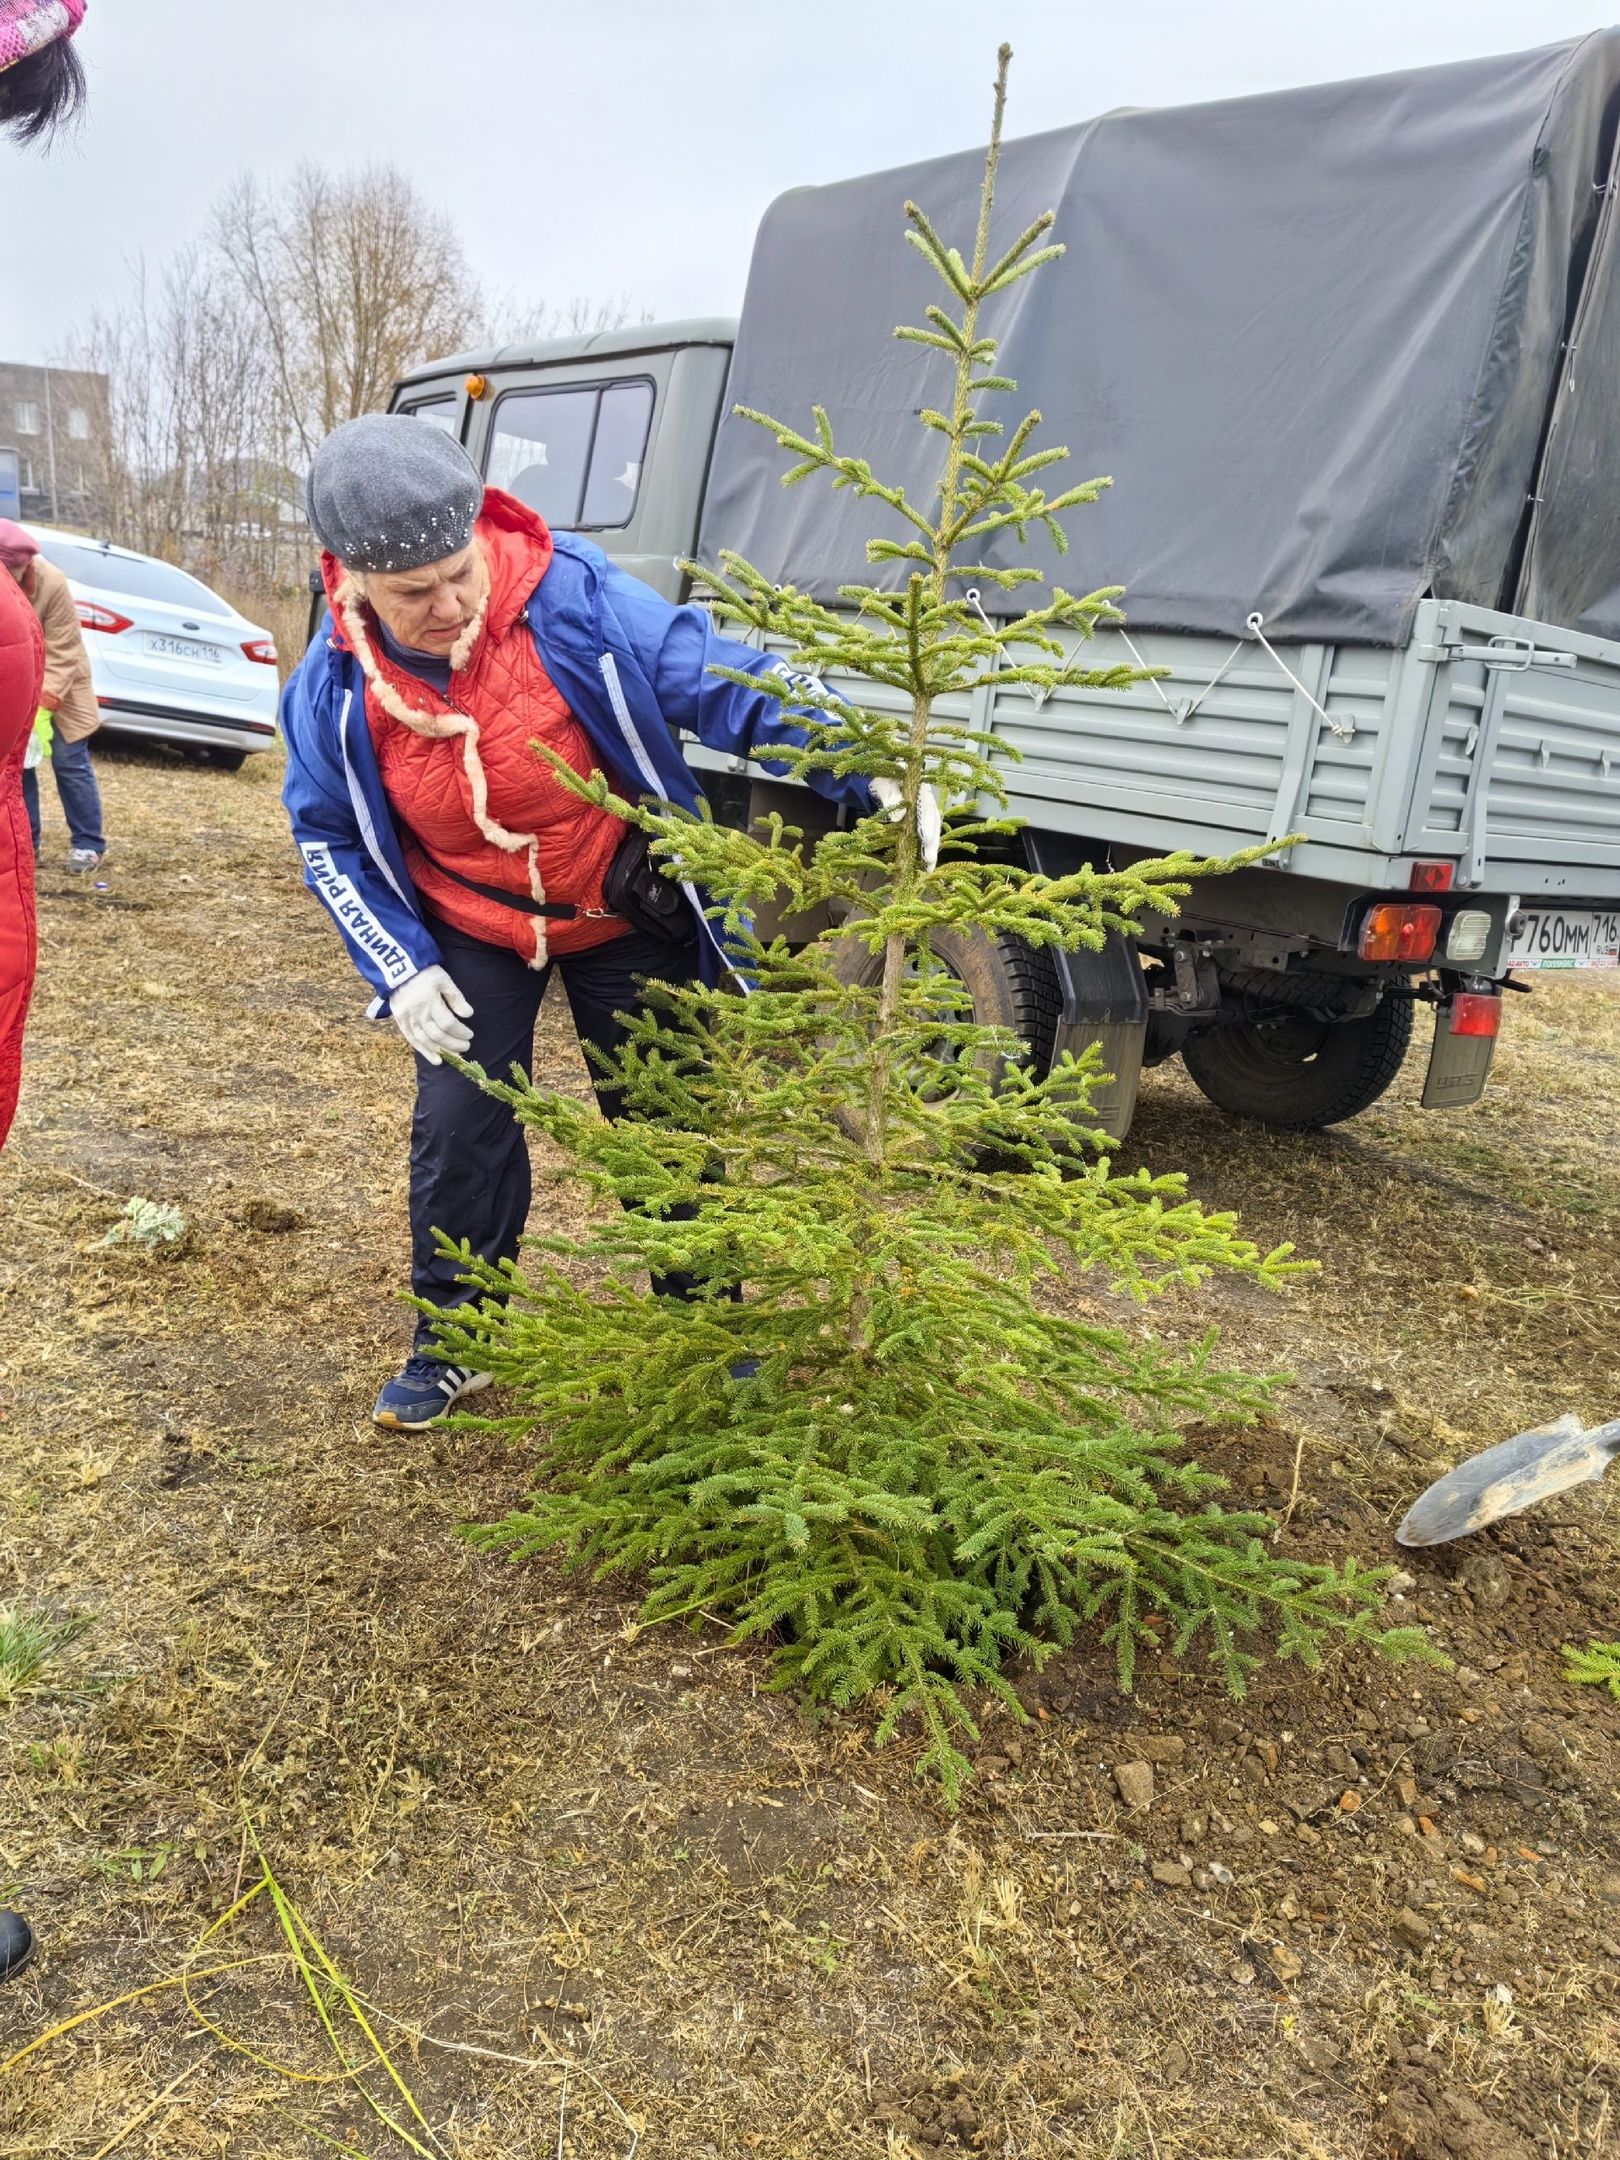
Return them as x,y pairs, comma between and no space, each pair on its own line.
893,1455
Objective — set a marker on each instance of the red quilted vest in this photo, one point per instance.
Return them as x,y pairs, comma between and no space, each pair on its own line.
432,779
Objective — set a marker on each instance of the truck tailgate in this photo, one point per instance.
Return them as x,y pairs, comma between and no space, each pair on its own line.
1518,773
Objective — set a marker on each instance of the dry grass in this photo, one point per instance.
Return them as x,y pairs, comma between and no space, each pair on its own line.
596,1893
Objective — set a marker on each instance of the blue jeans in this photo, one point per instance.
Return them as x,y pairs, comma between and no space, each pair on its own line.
77,789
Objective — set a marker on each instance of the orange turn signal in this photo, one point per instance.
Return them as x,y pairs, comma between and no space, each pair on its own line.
1397,930
476,387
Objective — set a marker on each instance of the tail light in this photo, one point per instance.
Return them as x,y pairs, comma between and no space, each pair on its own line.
1475,1012
1399,930
94,617
262,649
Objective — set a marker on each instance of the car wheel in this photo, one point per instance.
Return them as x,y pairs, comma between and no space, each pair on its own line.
1012,985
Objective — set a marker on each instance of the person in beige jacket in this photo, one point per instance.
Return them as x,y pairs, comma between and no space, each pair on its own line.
68,698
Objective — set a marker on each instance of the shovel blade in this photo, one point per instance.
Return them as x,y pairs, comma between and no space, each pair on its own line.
1508,1478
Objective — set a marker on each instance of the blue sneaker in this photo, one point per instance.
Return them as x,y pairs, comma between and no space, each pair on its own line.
423,1392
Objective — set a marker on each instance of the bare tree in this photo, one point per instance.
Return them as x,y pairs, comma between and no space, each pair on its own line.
300,309
351,277
189,469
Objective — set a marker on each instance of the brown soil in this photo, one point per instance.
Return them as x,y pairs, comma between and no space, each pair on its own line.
605,1895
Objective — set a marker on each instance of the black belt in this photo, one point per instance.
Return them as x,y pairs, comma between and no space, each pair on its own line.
524,903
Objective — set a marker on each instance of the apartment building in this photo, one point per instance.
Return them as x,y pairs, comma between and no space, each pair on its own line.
56,420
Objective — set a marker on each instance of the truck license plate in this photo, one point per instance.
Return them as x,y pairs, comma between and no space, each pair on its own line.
1564,938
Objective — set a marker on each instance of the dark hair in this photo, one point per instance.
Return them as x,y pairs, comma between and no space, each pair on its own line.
42,93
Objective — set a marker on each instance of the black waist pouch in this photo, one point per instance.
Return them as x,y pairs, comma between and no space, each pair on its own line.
633,890
639,894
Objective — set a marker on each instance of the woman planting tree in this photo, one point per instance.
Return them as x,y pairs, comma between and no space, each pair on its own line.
462,868
889,1456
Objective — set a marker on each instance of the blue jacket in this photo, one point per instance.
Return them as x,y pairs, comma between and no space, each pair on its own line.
632,667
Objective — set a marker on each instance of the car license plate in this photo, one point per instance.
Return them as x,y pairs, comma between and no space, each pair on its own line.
181,648
1564,938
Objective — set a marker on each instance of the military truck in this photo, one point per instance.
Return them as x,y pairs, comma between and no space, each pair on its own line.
1350,356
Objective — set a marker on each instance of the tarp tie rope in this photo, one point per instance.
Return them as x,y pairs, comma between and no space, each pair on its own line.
1345,730
1174,711
1039,692
1181,710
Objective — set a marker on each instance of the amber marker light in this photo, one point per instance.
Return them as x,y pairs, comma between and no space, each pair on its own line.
1399,930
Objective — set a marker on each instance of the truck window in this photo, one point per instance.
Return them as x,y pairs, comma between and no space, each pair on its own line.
439,412
539,448
573,455
616,455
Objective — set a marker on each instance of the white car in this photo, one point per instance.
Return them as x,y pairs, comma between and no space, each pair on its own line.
170,658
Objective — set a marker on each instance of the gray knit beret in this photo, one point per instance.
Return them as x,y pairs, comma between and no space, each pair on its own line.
387,492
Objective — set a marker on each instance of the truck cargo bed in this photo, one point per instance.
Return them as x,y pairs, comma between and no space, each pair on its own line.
1488,742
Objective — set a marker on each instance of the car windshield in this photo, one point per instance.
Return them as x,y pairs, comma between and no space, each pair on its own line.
136,577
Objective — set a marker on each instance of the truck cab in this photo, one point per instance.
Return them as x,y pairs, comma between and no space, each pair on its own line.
608,434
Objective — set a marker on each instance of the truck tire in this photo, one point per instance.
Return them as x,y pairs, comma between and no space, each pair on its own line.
1012,985
1296,1072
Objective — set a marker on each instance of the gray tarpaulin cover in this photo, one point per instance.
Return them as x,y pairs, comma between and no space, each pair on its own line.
1317,338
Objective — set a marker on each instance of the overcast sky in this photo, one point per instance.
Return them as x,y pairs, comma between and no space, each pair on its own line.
606,147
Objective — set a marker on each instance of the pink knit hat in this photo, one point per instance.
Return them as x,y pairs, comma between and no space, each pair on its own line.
28,26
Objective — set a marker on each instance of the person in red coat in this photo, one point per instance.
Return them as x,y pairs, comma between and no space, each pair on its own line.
41,87
22,670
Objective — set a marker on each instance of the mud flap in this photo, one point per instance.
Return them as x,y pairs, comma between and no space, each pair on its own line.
1113,1101
1104,996
1458,1065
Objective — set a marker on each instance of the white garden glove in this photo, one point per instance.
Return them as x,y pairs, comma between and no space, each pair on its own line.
429,1012
930,821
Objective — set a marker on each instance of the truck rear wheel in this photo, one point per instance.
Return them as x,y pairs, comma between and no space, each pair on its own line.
1012,985
1297,1072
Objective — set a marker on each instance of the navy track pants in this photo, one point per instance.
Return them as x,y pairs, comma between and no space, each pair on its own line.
469,1159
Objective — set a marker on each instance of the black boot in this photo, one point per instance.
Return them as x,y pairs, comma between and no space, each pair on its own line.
16,1944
